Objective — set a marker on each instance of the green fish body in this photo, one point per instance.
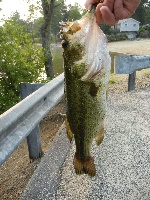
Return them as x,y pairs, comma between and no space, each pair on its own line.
87,68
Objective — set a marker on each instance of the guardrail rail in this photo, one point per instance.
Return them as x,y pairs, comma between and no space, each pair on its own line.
22,120
129,64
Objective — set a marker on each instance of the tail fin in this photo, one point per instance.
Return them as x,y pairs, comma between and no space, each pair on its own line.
84,167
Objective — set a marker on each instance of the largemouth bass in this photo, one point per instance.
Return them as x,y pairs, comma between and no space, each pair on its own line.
87,68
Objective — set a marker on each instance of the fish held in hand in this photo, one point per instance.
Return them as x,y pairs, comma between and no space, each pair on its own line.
87,68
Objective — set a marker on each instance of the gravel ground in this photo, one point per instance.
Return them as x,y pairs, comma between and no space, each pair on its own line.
122,160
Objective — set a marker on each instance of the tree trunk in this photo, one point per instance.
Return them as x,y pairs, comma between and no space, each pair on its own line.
48,7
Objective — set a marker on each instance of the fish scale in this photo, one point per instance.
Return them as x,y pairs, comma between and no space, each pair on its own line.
86,69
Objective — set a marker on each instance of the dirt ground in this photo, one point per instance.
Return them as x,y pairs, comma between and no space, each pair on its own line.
17,170
132,47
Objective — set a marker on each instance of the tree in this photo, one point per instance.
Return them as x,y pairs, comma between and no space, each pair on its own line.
54,11
16,18
59,14
36,29
141,12
106,28
48,7
29,26
147,15
64,12
20,61
75,12
0,8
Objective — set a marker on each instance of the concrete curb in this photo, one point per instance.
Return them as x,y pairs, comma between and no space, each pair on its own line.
46,177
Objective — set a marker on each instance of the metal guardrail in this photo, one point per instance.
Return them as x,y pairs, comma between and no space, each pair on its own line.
129,64
23,119
19,121
33,139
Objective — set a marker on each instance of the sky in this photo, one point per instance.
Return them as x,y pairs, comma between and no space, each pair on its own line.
22,7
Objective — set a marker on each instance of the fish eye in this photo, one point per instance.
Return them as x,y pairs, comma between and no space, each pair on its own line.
64,43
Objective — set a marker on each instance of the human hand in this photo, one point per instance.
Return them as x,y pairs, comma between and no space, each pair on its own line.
110,11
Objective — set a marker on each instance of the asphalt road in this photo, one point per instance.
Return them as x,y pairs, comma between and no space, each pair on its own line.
122,160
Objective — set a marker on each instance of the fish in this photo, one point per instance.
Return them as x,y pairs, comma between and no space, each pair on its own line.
86,70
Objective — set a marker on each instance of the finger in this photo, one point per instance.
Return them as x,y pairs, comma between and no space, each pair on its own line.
99,18
108,16
109,4
88,3
123,10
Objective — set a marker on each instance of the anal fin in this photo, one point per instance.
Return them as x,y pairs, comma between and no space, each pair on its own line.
68,130
100,135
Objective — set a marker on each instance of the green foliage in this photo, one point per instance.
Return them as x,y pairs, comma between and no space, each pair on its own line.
112,35
144,32
35,28
59,14
20,61
106,29
142,13
16,18
62,12
117,37
75,12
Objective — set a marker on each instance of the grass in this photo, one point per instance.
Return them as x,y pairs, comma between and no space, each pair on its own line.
112,79
57,60
147,73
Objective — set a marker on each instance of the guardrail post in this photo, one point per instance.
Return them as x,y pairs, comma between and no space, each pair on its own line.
112,55
129,64
131,81
33,139
34,144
